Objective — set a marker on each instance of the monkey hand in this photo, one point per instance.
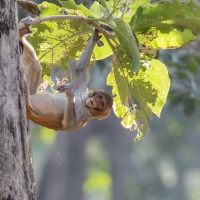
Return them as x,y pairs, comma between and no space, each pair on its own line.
95,36
66,87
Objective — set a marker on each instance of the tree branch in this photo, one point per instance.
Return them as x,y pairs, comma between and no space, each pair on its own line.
88,21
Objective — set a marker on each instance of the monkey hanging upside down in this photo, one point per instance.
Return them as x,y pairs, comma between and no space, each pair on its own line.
74,106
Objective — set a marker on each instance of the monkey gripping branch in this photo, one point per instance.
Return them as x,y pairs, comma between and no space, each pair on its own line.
131,33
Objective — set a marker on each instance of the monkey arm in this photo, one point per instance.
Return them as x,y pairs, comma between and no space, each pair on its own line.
81,78
76,114
69,117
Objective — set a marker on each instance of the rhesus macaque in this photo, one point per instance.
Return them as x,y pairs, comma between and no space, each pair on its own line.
74,106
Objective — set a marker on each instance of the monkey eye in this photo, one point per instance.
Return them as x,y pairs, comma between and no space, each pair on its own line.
102,104
100,96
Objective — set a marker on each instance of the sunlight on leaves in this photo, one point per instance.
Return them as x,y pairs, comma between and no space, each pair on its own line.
70,4
58,42
137,96
49,9
127,41
140,83
181,16
173,39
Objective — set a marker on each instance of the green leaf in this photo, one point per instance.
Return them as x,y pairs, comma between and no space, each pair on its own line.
137,96
167,16
102,52
81,9
58,42
173,39
157,76
103,3
132,8
154,39
49,9
98,10
127,41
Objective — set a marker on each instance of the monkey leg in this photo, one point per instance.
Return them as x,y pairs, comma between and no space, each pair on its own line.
32,67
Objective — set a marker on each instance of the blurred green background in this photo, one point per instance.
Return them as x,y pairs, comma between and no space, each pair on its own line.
101,161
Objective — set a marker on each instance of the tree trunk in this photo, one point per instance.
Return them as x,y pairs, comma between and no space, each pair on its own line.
16,174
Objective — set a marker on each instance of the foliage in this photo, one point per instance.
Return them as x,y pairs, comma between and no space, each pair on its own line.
135,31
184,72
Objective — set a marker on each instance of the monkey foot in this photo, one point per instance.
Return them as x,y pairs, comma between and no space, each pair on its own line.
26,30
66,87
27,21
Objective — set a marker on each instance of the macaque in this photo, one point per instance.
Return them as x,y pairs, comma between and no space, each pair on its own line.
74,105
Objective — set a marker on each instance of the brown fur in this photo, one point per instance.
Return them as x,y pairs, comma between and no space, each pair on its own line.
60,111
97,113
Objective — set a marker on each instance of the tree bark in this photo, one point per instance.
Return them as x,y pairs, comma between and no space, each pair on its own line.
16,173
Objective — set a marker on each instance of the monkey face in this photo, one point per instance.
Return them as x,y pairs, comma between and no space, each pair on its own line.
98,101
